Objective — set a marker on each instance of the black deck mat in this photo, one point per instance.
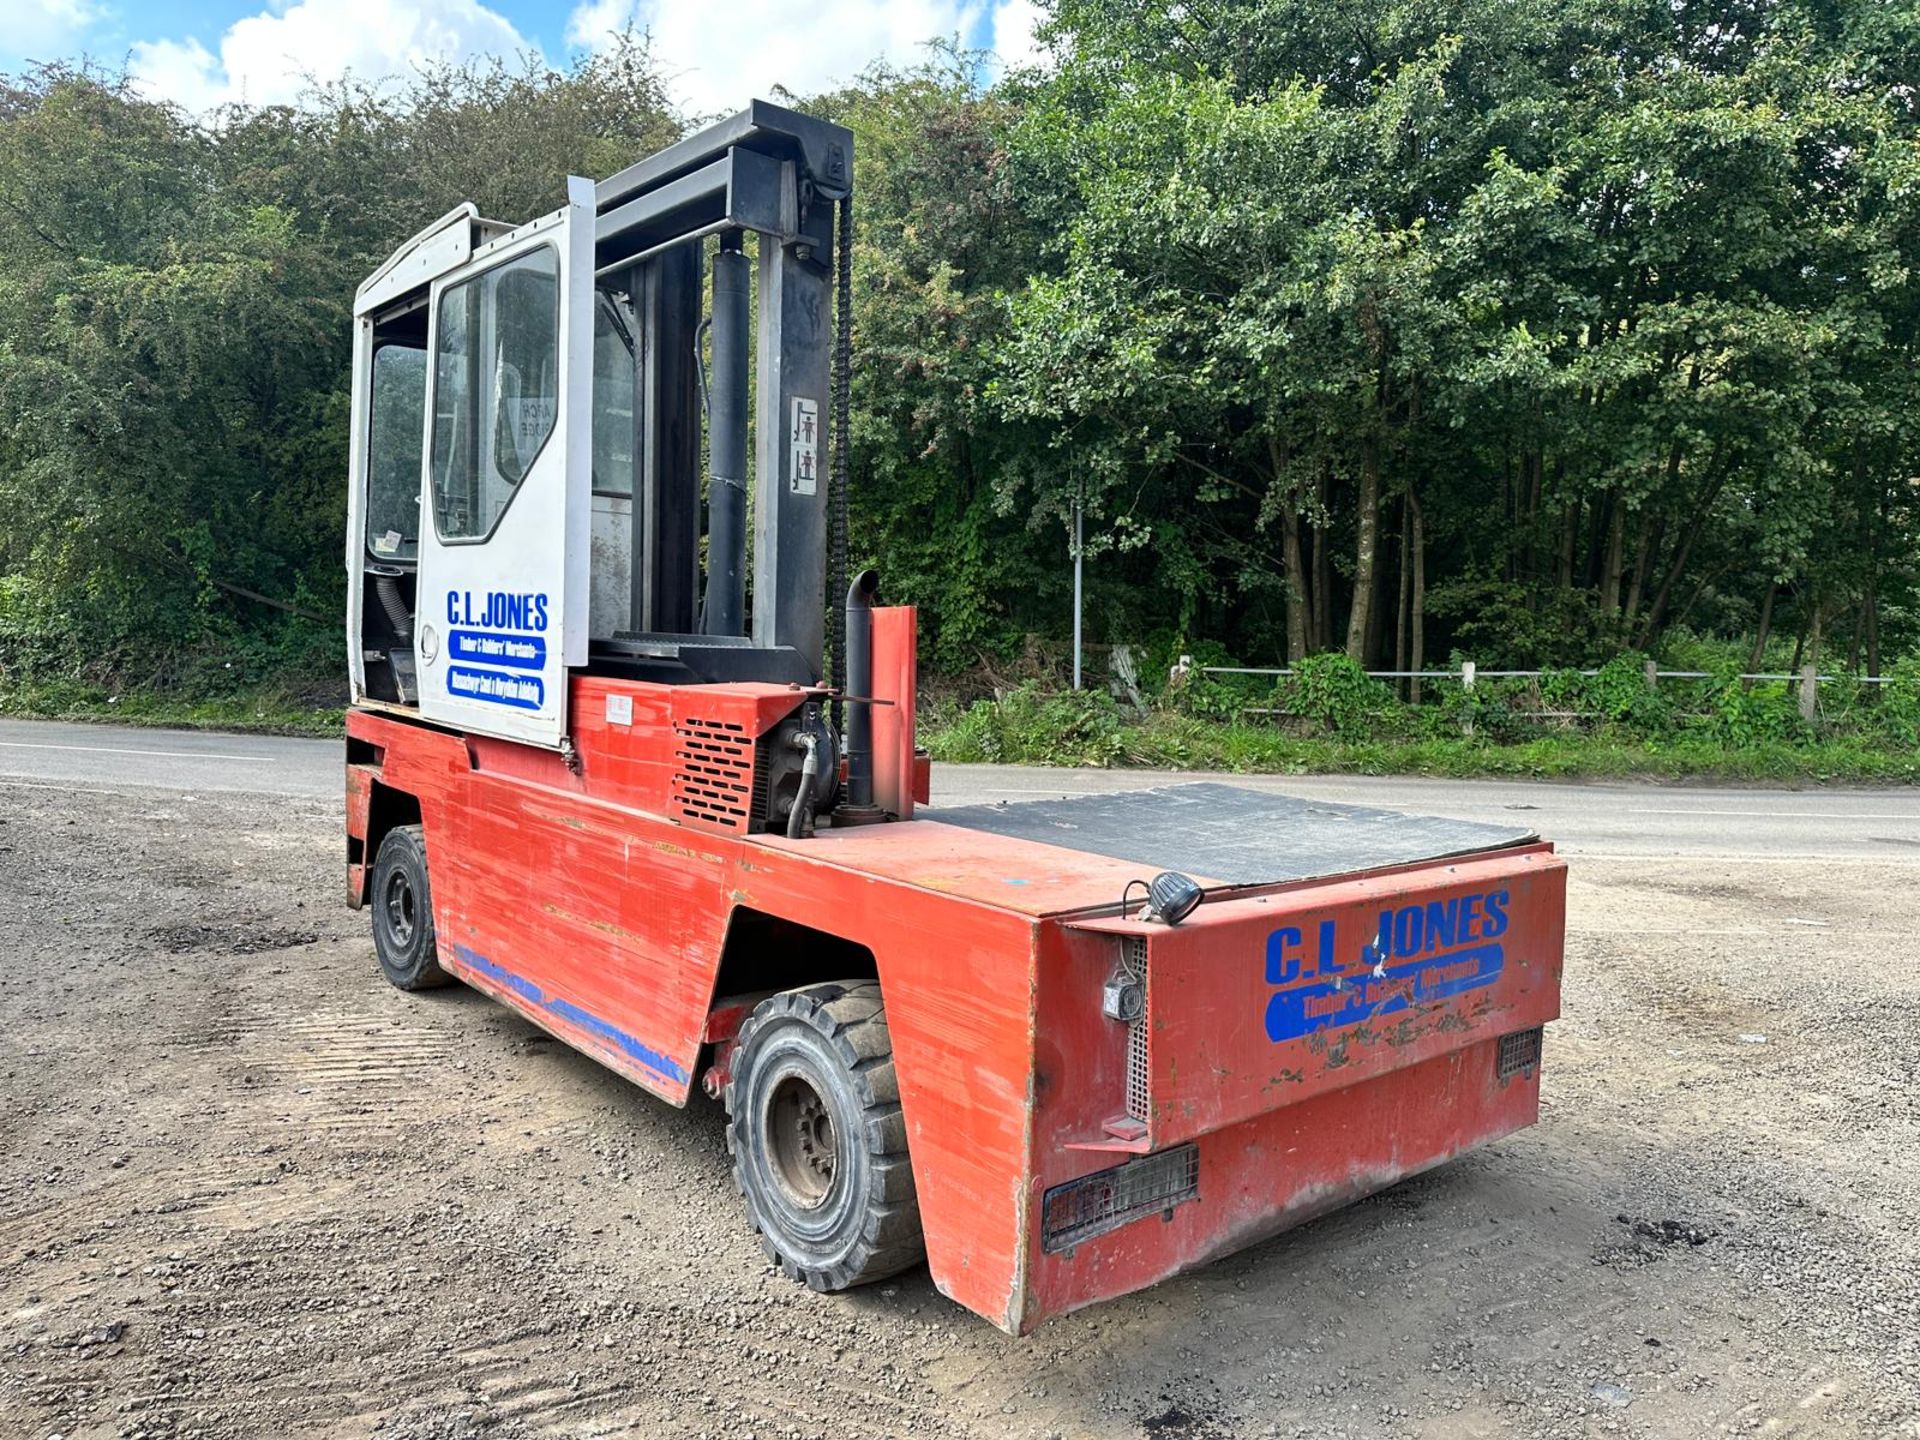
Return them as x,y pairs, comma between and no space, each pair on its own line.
1243,837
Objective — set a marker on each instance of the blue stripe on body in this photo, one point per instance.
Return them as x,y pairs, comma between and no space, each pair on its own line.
662,1065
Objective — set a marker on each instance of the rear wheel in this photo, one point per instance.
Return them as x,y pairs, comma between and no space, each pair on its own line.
403,912
819,1145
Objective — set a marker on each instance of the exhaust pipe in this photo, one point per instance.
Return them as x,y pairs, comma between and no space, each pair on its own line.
861,594
725,610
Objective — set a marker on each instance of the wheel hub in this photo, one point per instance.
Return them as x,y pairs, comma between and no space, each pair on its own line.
800,1141
398,901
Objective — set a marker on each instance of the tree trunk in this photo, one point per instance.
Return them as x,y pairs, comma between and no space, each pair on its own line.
1511,502
1871,619
1400,608
1613,560
1651,534
1696,522
1416,660
1299,603
1299,593
1598,518
1366,551
1536,477
1323,565
1871,622
1759,655
1569,530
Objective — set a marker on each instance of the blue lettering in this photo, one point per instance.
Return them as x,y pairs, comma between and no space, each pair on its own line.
1409,931
1418,954
540,612
1282,966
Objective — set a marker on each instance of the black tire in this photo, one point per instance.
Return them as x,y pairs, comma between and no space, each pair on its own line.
403,912
818,1142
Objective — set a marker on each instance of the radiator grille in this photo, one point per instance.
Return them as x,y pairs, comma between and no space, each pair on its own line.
1139,1101
1519,1053
1107,1199
713,778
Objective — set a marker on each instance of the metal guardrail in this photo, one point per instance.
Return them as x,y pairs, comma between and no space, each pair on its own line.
1807,678
1471,673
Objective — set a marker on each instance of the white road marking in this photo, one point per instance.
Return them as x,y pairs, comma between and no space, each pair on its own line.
1909,816
115,750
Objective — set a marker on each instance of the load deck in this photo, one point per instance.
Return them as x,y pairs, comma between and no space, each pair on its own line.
1227,836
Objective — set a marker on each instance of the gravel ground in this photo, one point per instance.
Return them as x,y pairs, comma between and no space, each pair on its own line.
247,1190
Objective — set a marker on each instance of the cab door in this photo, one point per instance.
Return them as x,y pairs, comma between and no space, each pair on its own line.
506,496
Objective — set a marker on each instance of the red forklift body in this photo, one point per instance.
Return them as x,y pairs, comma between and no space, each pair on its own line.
1359,997
586,776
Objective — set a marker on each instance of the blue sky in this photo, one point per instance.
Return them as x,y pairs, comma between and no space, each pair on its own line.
201,53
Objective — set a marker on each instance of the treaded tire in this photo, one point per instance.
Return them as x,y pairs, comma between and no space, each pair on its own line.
855,1219
403,912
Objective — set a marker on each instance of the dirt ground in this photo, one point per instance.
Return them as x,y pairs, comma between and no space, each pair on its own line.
248,1190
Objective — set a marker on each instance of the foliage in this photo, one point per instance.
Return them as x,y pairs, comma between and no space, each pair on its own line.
1335,692
1532,332
1032,727
1171,741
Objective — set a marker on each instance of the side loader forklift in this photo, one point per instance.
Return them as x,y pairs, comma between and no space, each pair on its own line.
1060,1050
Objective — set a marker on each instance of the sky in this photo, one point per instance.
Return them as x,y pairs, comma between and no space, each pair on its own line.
202,53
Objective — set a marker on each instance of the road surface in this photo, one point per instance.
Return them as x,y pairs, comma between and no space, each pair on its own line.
1624,819
249,1189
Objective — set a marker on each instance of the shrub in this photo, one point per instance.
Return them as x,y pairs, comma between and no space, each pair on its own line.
1897,715
1742,716
1335,692
1618,694
1030,726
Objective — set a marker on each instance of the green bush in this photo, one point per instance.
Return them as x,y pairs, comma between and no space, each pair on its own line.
1744,714
1032,727
1336,693
1618,695
1896,714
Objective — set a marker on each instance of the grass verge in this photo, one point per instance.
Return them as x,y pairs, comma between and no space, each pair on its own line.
270,709
1162,740
1178,742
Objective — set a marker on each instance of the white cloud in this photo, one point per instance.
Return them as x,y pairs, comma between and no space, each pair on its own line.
719,60
45,29
1014,43
594,22
268,58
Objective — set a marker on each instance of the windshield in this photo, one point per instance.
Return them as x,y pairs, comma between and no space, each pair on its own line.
393,451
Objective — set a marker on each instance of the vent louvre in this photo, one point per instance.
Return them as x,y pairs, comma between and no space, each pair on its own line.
713,781
1519,1053
1107,1199
1138,1100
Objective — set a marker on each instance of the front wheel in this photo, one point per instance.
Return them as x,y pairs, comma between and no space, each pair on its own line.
403,912
818,1142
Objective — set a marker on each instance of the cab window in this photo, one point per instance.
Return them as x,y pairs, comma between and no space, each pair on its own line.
397,434
496,389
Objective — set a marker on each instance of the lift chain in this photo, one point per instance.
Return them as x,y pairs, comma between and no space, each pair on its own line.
842,387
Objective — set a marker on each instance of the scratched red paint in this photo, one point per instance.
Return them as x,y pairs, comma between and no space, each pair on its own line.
577,895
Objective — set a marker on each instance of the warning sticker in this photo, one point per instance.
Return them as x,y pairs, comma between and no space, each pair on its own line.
803,471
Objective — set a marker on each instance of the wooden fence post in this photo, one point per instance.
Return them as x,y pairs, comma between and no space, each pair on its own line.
1809,692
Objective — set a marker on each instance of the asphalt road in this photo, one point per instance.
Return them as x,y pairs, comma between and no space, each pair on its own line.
1596,820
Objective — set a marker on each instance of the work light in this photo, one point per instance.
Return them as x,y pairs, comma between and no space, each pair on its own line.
1171,897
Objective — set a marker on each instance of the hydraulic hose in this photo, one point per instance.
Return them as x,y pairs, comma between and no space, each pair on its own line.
802,809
